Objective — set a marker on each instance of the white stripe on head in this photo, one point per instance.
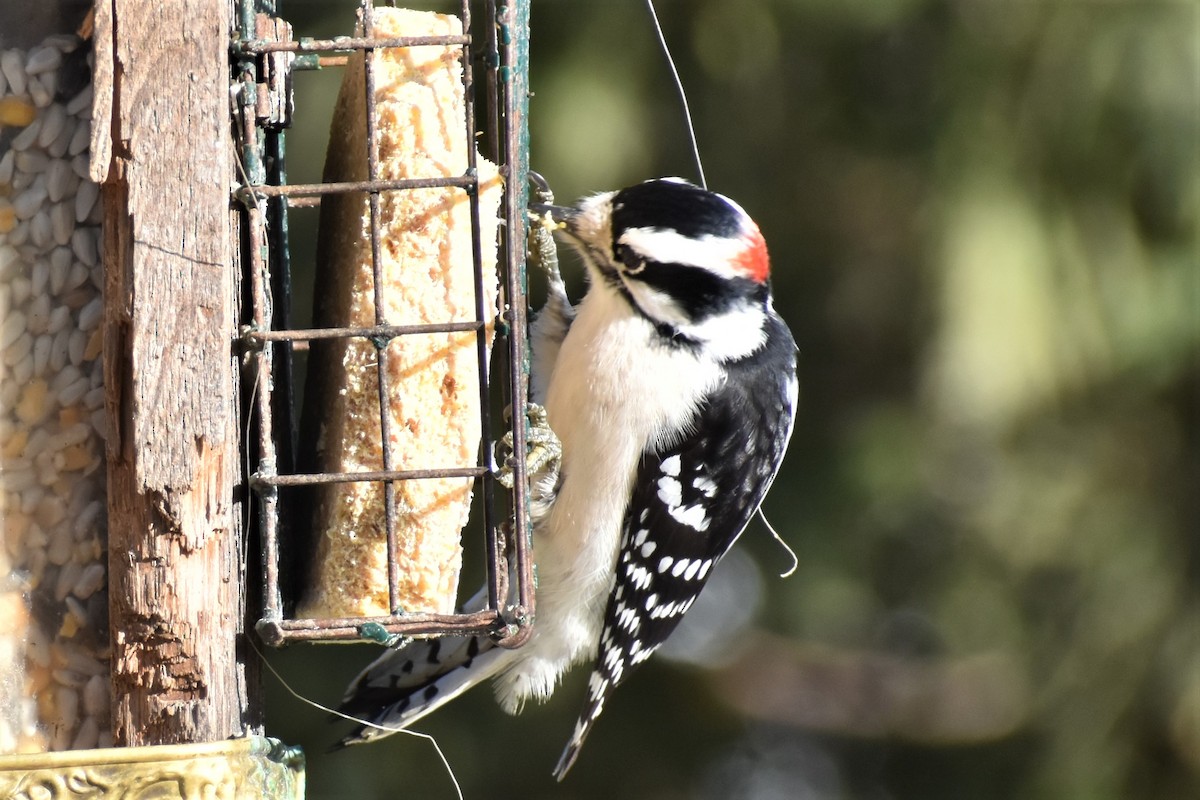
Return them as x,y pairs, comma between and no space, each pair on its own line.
720,255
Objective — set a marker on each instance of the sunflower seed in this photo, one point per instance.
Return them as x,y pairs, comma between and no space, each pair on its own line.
41,353
90,580
96,698
62,222
99,420
8,259
79,275
20,289
83,522
59,318
77,347
19,350
32,161
61,347
67,701
54,119
22,371
66,42
85,198
79,660
89,315
81,102
59,551
60,266
77,610
68,677
11,329
49,82
58,148
39,276
59,179
88,735
37,314
68,576
80,140
75,434
41,230
8,398
21,180
43,59
28,202
41,89
83,244
37,647
65,377
28,136
74,393
12,64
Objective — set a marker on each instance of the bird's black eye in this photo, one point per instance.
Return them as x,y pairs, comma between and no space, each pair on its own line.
634,262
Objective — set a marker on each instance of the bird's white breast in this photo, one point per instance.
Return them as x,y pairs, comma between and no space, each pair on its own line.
614,390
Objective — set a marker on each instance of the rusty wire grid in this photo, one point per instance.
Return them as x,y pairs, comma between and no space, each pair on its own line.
265,54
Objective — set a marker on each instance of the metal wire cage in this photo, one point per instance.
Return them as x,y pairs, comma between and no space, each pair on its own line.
494,41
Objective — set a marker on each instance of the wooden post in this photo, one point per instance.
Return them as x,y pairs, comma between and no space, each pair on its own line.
162,152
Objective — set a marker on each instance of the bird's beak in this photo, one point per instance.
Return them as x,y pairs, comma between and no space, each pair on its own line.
560,216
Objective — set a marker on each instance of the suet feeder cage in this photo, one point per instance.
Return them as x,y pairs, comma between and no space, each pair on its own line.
418,331
184,453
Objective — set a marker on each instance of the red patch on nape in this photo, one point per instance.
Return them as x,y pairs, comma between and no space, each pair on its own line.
753,261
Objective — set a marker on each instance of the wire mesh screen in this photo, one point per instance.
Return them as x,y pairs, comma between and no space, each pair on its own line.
291,416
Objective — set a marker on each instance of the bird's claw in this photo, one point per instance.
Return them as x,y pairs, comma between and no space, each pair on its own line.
542,252
542,447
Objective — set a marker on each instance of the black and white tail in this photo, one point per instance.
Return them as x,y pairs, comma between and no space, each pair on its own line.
404,684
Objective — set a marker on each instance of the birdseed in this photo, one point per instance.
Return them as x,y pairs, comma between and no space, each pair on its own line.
54,665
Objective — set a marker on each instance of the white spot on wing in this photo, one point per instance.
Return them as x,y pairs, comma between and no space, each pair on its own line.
695,517
597,685
670,491
640,656
612,664
627,618
638,575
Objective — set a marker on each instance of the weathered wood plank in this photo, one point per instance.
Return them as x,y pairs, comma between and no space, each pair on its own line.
174,529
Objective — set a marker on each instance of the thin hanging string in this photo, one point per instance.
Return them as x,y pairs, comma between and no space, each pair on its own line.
416,734
795,559
687,111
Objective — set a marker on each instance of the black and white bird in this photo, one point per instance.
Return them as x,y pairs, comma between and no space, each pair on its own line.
672,389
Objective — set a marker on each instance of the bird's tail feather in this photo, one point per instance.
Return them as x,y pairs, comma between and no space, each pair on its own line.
403,685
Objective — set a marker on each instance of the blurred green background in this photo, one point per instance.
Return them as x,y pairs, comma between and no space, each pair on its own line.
983,223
